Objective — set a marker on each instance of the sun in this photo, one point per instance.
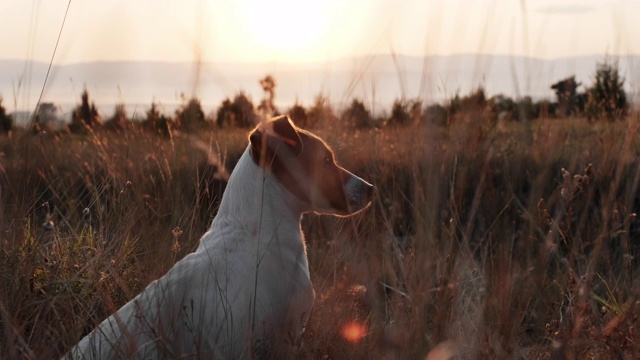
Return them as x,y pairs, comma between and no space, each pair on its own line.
287,25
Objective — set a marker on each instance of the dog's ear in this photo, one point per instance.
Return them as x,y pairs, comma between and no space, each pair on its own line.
277,137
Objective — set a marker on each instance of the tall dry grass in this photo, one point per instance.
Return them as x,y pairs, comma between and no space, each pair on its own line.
517,241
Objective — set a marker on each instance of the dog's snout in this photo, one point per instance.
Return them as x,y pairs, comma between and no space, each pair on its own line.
369,191
359,193
364,188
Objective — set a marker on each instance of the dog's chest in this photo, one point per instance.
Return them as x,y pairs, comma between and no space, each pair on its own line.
284,270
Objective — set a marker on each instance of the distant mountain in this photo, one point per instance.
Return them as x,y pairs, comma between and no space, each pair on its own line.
377,79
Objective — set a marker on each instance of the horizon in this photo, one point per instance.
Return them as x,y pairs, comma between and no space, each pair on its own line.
323,61
371,79
205,34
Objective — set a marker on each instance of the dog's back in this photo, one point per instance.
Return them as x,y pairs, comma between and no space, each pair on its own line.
246,291
166,319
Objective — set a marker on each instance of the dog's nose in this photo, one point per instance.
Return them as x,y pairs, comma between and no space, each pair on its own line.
369,191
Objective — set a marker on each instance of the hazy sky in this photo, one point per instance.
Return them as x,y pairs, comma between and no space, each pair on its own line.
304,31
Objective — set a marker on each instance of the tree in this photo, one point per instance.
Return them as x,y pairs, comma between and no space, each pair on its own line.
436,114
46,116
357,115
606,98
225,115
399,113
475,101
502,107
85,116
567,96
190,116
471,104
153,114
527,109
298,114
545,108
321,113
6,121
246,115
157,122
404,112
119,119
237,113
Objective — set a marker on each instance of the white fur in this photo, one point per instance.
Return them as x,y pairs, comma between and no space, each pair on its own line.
247,274
248,280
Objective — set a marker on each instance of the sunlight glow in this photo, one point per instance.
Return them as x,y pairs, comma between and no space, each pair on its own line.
287,25
290,31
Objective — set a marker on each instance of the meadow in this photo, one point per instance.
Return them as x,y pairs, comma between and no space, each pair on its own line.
497,240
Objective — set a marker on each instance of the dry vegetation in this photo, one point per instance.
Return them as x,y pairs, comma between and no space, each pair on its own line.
514,241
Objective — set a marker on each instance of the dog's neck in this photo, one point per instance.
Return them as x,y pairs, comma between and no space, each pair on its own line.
256,201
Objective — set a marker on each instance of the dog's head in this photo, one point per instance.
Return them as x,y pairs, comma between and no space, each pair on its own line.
306,166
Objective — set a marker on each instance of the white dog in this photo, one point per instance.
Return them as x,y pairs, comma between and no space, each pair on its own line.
246,291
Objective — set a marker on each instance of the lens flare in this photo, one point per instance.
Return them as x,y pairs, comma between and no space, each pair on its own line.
353,332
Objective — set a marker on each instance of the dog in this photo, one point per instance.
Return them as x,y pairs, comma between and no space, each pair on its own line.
245,292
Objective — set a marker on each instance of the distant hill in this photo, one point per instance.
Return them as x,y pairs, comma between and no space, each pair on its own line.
378,80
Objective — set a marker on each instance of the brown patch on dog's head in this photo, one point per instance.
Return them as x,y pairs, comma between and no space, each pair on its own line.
278,136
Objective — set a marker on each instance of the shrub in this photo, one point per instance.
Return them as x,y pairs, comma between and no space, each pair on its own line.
568,100
237,113
357,115
85,116
157,122
298,114
527,109
190,116
606,98
475,103
46,117
545,108
502,107
6,121
404,112
436,114
321,112
118,121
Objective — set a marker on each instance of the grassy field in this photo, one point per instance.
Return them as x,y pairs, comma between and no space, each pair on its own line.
510,241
